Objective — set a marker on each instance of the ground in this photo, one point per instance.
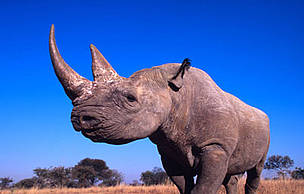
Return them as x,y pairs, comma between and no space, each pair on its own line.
266,187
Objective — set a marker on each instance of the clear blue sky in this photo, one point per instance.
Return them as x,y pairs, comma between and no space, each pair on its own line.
253,50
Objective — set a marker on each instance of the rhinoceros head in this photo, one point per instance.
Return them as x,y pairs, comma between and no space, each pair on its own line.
113,109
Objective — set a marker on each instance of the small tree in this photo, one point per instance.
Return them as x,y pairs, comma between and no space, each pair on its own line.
90,171
100,167
60,177
298,173
160,176
85,175
26,183
115,179
42,178
147,177
53,177
5,182
280,164
155,177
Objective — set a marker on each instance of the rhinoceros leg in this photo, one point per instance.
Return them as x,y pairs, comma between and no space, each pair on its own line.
253,177
231,183
182,180
211,170
183,183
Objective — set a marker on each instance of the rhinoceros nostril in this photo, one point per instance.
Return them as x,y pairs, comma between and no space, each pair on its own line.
88,122
87,118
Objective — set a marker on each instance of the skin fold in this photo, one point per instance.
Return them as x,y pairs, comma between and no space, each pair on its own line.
199,129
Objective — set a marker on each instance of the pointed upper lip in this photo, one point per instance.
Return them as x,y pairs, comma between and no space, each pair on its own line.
88,130
79,128
84,122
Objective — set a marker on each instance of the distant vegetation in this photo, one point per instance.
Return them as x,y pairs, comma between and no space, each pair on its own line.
282,165
88,172
94,172
155,177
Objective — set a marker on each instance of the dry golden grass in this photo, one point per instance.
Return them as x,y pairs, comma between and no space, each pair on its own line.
266,186
159,189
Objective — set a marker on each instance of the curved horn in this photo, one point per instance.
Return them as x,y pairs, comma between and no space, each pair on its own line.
101,68
74,85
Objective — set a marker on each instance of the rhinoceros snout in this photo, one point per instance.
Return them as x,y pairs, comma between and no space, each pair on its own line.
85,123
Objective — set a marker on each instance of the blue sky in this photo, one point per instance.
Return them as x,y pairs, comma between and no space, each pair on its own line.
252,49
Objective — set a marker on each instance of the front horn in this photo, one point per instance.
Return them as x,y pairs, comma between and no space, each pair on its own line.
74,85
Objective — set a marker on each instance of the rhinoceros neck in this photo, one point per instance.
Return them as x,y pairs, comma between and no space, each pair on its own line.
173,135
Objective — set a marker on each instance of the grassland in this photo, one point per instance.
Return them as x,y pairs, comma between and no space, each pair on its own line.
266,186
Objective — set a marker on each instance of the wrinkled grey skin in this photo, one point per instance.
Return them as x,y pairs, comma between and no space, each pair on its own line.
198,128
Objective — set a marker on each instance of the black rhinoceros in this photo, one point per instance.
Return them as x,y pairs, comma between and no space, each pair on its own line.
198,128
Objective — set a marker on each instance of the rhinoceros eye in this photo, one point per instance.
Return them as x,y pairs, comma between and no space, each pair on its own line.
131,98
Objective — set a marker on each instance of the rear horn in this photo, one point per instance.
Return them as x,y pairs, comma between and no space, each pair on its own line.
101,68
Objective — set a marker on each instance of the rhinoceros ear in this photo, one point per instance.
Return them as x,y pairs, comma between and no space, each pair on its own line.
176,82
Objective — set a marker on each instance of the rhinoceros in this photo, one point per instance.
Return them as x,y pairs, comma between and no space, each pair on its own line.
199,129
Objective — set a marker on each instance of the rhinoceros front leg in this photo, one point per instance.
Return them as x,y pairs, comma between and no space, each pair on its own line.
183,181
231,183
212,169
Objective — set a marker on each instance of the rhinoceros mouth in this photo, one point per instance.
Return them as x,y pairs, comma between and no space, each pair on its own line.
83,128
85,123
100,139
88,130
